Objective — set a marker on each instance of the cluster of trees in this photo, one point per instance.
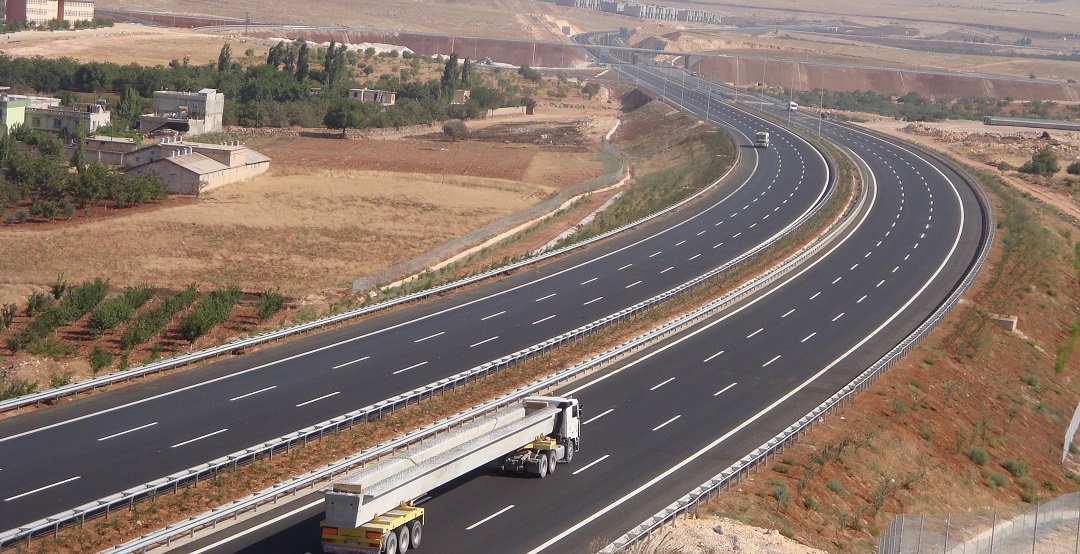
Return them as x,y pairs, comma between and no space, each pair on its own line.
47,183
55,25
297,85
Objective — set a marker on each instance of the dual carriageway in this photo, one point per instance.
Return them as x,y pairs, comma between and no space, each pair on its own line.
656,425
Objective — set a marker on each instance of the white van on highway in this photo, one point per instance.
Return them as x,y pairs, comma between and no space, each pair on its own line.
792,107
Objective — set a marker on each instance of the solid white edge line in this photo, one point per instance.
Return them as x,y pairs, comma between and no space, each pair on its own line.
219,431
39,489
794,391
132,430
488,518
594,462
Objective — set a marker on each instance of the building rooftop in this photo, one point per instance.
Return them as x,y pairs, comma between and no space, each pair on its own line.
196,163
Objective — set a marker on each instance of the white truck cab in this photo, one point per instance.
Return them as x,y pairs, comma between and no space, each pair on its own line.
792,107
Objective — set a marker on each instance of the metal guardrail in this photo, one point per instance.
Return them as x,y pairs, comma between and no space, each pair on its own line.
193,474
711,488
164,537
229,348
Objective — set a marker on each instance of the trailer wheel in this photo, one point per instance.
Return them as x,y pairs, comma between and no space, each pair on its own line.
569,452
403,539
415,531
390,543
542,467
551,461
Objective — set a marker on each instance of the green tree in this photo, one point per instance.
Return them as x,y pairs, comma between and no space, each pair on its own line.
590,89
344,114
1043,162
451,75
455,128
466,73
224,60
130,107
302,61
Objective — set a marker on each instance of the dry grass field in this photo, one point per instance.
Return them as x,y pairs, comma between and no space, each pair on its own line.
328,211
126,43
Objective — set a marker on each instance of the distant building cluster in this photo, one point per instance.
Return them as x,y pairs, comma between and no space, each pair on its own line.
644,11
43,11
184,167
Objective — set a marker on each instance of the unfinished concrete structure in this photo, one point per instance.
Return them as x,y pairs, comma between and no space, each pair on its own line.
384,97
193,113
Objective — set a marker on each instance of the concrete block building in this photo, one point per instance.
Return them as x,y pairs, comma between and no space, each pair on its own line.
384,97
192,167
46,114
192,113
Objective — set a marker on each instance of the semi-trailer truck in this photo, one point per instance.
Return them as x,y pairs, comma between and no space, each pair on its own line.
372,511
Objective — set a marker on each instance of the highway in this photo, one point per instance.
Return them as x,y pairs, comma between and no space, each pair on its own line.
57,458
667,419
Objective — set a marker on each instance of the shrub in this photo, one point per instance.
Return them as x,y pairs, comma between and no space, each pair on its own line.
270,303
996,480
781,495
1031,380
7,316
9,219
1043,162
58,380
1073,168
1015,466
835,485
22,215
100,359
978,455
16,388
781,468
37,303
810,504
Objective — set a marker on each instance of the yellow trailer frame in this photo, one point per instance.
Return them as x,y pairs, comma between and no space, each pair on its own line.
369,537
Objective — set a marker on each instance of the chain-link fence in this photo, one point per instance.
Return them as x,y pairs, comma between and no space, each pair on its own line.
1044,528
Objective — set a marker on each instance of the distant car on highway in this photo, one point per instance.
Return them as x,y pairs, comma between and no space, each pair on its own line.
792,107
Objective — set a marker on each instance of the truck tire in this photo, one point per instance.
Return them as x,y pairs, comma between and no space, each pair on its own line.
403,539
415,532
390,543
551,461
541,467
569,452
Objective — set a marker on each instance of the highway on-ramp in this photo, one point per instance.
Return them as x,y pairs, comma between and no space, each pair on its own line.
65,456
669,418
